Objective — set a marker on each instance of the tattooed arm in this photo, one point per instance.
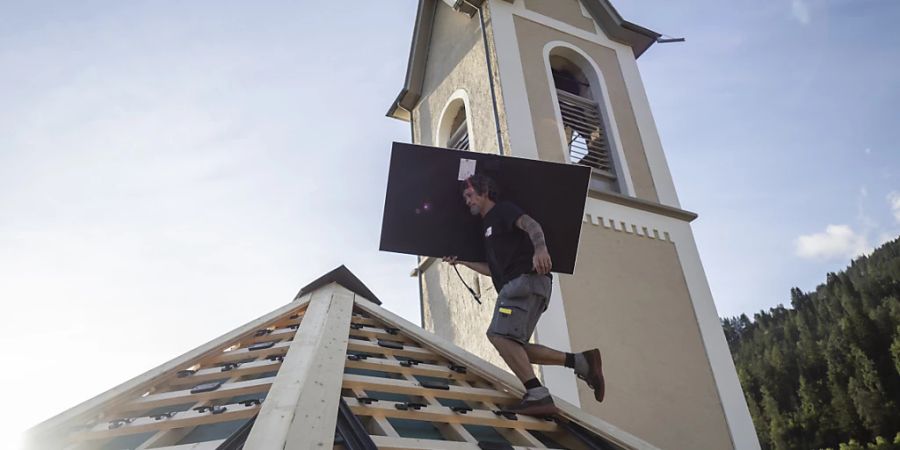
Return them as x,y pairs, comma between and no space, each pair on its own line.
541,260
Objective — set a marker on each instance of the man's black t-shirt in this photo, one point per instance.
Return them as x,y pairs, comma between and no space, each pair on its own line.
508,249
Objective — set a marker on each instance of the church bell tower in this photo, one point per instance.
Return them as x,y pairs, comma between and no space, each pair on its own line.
557,80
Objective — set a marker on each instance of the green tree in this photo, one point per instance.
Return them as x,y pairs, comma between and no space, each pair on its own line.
895,351
872,405
827,369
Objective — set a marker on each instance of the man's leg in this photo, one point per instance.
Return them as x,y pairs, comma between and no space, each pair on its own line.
544,356
518,308
513,353
587,365
537,400
519,357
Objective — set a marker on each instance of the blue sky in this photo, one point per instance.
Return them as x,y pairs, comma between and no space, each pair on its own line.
169,171
779,119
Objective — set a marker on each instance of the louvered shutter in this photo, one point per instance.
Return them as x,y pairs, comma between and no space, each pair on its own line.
588,141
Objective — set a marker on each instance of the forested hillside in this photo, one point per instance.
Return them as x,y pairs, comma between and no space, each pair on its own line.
826,370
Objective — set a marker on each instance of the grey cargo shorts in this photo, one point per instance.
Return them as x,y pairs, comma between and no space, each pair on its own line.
519,306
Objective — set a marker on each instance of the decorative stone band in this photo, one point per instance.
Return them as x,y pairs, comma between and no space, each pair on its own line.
643,205
637,230
648,219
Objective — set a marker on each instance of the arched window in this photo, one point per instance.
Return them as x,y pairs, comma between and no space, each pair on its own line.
453,128
459,132
585,128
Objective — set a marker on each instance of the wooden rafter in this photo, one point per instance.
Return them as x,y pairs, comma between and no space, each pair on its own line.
298,412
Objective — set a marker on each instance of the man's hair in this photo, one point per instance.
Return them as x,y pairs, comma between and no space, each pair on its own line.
483,184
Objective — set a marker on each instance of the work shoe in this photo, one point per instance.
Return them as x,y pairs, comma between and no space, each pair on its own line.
594,377
533,407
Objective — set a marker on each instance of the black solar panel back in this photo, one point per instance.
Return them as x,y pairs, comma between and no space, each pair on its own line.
424,212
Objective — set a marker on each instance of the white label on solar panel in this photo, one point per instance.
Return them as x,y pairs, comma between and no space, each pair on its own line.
466,168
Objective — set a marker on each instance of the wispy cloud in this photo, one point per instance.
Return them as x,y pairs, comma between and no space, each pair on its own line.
894,200
800,11
842,241
837,241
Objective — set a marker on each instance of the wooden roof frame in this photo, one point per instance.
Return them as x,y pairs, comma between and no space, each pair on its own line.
301,406
611,22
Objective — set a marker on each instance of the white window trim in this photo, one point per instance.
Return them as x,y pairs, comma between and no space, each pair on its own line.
601,94
443,132
518,111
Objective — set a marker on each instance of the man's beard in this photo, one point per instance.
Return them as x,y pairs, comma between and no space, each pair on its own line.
474,210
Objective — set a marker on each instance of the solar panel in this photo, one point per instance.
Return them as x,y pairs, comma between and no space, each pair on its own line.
424,211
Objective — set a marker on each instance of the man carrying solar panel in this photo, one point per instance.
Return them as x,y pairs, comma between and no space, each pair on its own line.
519,265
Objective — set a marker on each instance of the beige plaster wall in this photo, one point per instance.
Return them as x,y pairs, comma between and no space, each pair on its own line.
567,11
456,60
630,299
532,38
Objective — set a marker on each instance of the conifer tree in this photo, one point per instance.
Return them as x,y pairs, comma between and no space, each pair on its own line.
825,373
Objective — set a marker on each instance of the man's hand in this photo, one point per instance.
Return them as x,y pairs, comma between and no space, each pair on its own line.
541,261
449,260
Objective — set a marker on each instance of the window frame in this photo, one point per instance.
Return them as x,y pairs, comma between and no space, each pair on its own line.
600,92
444,135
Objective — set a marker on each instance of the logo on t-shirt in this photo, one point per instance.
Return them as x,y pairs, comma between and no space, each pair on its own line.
487,232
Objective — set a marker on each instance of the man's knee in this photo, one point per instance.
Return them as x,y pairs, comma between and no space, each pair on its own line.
500,342
494,339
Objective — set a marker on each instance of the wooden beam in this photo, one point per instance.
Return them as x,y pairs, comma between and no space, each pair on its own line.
207,445
301,408
443,414
227,390
455,432
367,321
379,425
169,436
393,366
452,431
282,334
408,351
515,436
392,443
315,415
216,373
189,418
380,333
165,437
413,388
243,354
